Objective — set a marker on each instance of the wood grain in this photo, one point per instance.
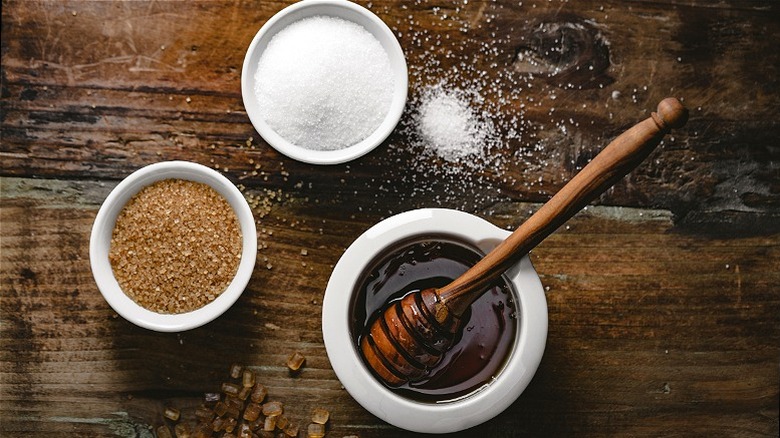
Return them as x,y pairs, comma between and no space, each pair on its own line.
663,298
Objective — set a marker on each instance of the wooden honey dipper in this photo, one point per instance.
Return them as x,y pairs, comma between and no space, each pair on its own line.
411,335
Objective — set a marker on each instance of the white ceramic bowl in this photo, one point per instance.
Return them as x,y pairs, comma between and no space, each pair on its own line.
100,243
334,8
402,412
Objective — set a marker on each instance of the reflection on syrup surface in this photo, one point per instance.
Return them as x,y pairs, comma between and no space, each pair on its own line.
490,327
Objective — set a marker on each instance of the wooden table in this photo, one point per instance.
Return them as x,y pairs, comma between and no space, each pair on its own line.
663,297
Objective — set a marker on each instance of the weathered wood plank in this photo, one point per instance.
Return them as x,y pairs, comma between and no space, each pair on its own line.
639,343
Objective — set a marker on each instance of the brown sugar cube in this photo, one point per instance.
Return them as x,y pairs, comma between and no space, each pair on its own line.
204,413
233,412
230,425
257,424
235,371
282,422
218,424
295,361
234,402
252,412
202,430
164,432
171,414
291,430
319,416
243,394
230,389
258,393
273,409
244,431
211,397
220,408
248,378
315,430
270,423
182,430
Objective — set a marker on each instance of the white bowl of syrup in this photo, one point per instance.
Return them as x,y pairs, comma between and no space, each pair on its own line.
486,369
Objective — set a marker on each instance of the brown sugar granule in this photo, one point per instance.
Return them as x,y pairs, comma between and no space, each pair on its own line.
319,416
248,378
235,370
164,432
176,246
228,416
291,430
171,414
295,361
315,430
273,409
182,430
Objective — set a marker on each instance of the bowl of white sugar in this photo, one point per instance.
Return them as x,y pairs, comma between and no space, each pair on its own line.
324,81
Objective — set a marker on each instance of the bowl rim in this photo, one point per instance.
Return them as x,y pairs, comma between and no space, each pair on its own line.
348,11
407,413
105,220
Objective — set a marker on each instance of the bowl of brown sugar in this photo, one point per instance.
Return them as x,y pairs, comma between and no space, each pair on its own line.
173,246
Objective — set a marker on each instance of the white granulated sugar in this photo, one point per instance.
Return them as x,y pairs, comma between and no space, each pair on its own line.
324,83
450,126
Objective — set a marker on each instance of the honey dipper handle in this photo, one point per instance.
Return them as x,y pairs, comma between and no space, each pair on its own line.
617,159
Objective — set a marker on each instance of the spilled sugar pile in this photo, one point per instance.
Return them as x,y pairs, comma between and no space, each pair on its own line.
460,136
448,126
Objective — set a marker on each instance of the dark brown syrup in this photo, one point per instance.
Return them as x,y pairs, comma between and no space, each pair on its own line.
489,328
